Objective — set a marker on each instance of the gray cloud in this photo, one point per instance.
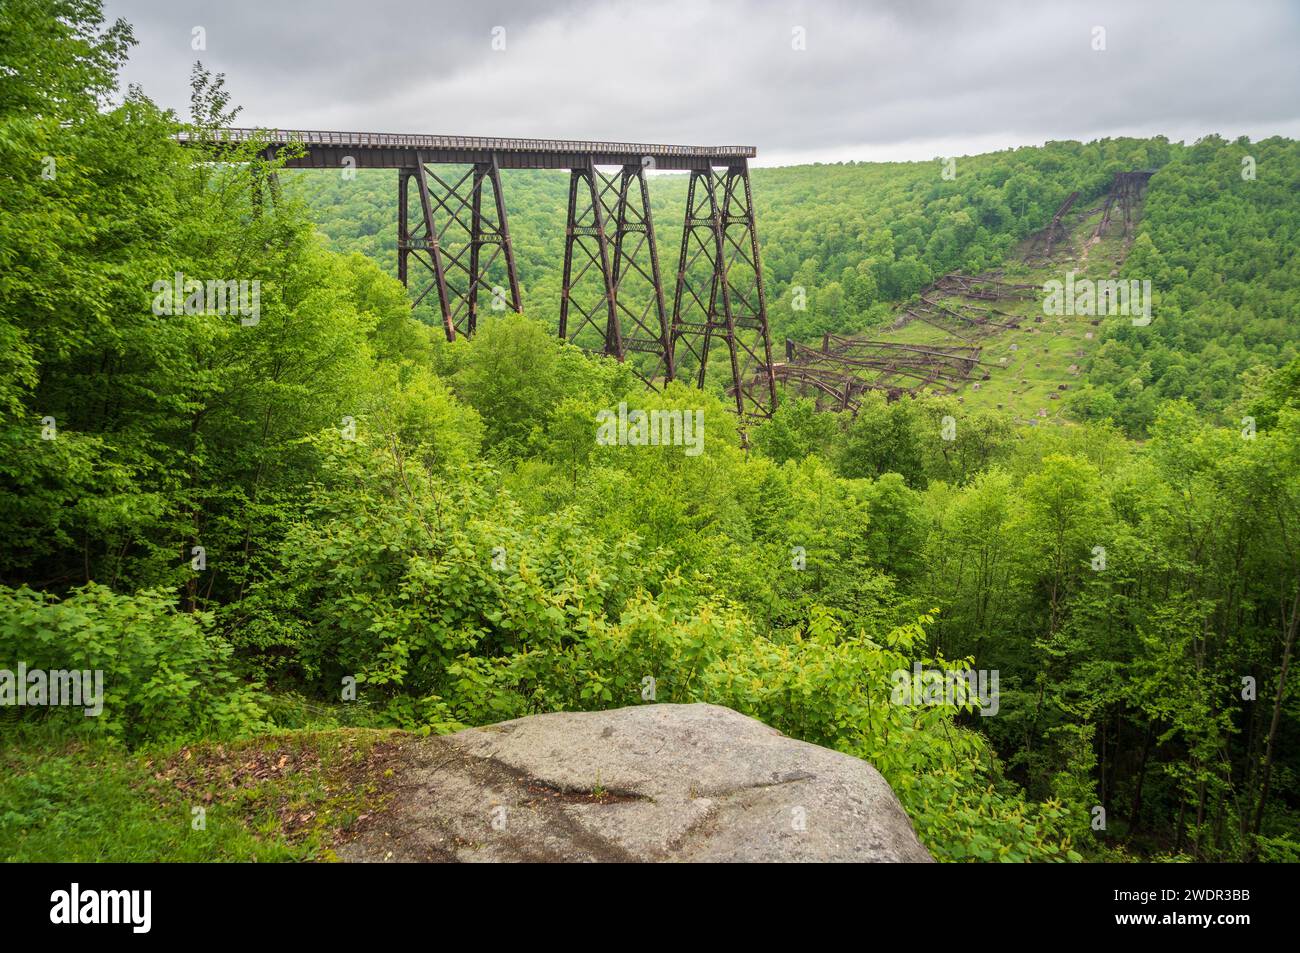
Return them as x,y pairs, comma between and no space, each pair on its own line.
876,80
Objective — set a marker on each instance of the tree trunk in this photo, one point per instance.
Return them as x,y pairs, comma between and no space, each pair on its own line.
1135,812
1269,746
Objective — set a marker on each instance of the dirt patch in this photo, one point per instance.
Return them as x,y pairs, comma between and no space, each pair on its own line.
324,785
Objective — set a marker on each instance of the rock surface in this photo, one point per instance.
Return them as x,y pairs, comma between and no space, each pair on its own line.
655,782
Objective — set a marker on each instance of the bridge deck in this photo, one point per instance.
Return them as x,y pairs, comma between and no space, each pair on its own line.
386,150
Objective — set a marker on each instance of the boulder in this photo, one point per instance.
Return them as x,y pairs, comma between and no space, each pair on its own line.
654,782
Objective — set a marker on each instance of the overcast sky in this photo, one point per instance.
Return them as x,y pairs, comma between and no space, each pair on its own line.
900,79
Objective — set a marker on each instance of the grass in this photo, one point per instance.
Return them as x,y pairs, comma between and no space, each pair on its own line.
288,796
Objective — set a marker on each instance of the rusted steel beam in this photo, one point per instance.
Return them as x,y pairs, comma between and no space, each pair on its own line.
638,293
720,248
426,242
403,225
844,389
1126,190
1054,229
763,405
981,287
978,322
372,150
586,253
264,178
832,343
492,172
926,371
459,237
938,321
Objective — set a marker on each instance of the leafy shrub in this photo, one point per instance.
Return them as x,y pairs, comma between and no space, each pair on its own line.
452,606
164,674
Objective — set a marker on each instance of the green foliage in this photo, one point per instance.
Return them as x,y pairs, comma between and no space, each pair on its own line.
1106,587
164,674
450,603
1214,244
796,430
840,241
439,522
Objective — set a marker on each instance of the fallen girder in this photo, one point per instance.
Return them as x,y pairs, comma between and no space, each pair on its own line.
983,288
936,314
1055,230
844,389
842,377
916,366
1126,191
963,358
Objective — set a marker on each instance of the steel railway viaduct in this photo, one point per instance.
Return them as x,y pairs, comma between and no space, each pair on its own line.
452,229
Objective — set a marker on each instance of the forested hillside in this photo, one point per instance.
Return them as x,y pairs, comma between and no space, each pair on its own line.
856,236
1217,242
857,239
268,526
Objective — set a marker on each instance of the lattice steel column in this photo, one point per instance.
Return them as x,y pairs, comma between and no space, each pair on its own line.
423,243
638,293
720,250
490,227
693,313
403,224
588,289
453,254
612,300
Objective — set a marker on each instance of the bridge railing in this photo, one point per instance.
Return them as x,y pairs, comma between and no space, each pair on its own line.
391,140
